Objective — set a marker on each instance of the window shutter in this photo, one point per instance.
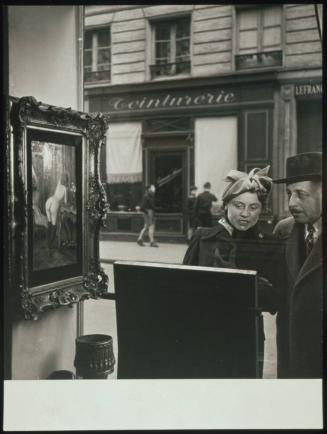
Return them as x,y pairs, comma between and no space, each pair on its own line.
254,146
271,28
248,31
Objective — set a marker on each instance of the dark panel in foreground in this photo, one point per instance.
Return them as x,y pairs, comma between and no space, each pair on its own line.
185,322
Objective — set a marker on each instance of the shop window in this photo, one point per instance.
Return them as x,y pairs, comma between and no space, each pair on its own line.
259,37
125,196
124,224
97,54
309,126
171,47
169,225
123,165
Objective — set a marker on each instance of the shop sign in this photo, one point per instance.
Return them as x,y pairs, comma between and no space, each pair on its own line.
171,100
308,89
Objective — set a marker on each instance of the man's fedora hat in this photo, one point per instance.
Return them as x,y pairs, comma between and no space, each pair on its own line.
302,167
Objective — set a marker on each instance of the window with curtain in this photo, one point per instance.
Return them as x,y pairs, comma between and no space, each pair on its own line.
259,36
97,55
171,47
124,165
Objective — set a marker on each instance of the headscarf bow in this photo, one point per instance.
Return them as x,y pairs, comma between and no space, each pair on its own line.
256,181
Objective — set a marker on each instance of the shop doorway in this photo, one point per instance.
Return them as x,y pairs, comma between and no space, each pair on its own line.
167,170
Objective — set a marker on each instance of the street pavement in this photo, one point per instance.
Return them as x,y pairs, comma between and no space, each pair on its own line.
100,315
172,253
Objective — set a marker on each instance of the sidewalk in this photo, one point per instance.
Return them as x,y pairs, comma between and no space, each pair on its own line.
172,253
100,315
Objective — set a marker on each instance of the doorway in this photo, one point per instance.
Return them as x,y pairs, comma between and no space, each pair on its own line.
167,171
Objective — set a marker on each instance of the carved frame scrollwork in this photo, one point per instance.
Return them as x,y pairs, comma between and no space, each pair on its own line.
27,114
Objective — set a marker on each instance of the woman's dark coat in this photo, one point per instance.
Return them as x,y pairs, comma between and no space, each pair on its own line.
249,250
252,250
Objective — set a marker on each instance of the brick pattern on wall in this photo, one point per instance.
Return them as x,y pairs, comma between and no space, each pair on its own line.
212,40
303,47
211,37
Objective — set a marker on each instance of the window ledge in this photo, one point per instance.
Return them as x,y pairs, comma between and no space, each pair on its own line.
171,77
96,84
172,69
260,60
258,69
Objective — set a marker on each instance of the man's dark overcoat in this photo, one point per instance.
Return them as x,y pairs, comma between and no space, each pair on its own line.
299,318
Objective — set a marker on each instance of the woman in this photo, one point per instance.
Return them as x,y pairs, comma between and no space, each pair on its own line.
52,206
237,242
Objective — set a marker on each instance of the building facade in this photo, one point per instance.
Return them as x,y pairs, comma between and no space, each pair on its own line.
196,90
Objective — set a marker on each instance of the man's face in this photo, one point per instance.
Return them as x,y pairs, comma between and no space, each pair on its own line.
152,188
305,201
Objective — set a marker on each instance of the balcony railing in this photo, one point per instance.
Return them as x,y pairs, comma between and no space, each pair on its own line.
167,69
95,76
262,59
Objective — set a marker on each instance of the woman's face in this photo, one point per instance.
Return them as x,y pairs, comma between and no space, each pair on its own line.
243,211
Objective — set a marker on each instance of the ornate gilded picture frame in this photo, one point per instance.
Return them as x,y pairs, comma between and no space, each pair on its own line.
56,204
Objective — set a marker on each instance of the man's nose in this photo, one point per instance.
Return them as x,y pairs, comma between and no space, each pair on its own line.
292,201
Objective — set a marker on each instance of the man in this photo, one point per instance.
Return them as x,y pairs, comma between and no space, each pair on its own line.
147,208
299,318
203,206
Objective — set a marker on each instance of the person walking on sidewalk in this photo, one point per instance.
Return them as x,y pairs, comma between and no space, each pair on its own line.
203,206
147,207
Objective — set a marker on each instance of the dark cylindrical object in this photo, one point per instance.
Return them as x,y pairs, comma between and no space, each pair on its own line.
61,375
94,358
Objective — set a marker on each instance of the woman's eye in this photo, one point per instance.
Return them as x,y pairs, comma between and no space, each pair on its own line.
254,207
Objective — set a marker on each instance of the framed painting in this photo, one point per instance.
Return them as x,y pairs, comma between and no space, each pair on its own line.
56,205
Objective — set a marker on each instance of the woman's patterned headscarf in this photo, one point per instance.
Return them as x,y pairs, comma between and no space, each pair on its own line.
256,181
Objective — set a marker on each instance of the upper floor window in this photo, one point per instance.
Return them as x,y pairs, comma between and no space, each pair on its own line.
258,39
171,47
97,55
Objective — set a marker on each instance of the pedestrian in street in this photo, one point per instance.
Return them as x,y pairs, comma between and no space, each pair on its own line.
147,207
237,242
299,319
191,215
203,206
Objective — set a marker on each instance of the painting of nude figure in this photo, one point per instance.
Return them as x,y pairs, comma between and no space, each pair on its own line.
54,205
